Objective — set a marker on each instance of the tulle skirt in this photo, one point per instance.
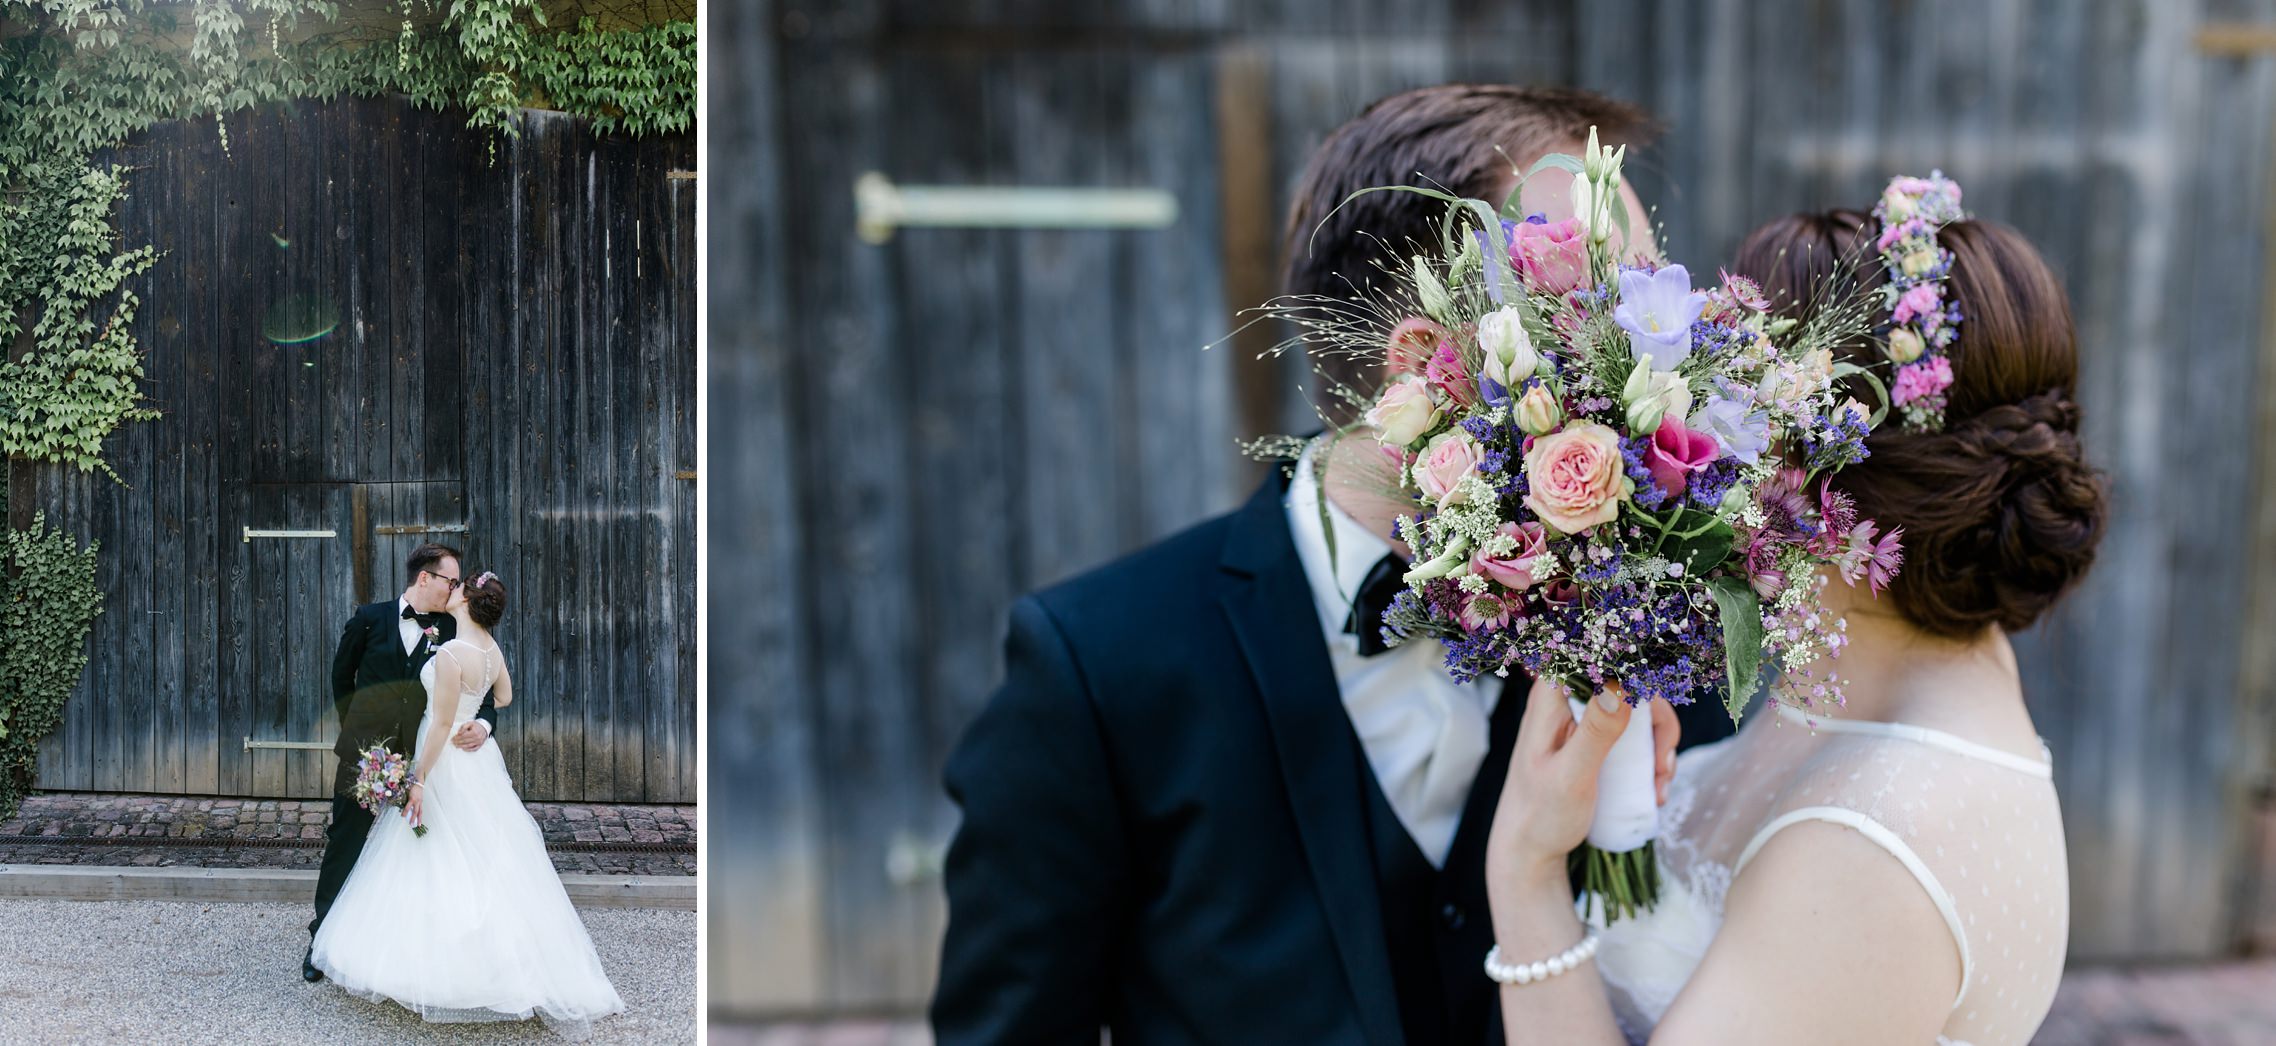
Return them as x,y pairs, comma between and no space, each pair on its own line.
469,921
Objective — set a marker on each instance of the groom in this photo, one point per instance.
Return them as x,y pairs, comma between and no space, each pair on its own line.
1205,805
377,692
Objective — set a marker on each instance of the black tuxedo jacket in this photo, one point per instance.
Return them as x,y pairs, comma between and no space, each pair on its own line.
1166,825
376,688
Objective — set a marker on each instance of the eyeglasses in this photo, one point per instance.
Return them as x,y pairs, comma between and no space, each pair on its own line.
451,581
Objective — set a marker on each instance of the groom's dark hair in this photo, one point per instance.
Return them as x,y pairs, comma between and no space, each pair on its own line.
1444,137
424,558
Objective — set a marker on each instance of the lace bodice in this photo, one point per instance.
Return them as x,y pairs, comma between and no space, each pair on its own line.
477,672
1977,827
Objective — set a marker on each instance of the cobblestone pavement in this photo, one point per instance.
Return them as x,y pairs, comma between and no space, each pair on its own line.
99,829
2220,1004
175,972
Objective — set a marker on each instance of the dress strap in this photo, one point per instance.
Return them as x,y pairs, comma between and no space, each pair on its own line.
1886,840
2042,768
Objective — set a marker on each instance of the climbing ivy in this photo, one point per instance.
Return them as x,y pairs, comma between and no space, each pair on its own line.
51,602
80,76
60,400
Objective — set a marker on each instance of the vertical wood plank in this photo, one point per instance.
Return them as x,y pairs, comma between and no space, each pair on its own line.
767,941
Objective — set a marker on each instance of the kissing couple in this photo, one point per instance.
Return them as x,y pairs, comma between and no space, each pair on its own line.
1210,803
448,905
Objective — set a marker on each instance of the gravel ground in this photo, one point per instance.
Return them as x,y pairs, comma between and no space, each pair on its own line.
168,972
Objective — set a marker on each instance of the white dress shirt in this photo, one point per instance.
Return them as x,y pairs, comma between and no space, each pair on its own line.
410,629
1425,735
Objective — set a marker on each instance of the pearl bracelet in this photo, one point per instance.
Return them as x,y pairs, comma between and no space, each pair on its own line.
1526,973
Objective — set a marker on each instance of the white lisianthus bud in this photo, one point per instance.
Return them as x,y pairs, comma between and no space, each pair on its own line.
1510,358
1651,395
1584,206
1433,293
1456,555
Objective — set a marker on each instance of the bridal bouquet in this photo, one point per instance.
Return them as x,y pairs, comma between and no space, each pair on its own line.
383,782
1617,477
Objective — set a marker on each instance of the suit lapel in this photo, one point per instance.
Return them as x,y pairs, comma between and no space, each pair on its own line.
1469,847
1269,604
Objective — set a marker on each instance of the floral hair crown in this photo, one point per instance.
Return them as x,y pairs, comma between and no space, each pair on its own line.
485,578
1923,320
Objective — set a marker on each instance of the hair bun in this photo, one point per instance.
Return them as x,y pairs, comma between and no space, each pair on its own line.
2041,509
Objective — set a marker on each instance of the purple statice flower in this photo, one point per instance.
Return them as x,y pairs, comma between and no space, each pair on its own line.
1840,443
1713,340
1475,654
1674,681
1711,483
1648,495
1657,310
1591,568
1493,461
1512,488
1478,427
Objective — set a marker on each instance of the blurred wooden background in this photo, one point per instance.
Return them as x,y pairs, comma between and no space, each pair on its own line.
907,435
372,321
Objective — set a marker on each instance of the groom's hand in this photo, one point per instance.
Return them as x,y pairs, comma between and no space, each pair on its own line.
471,736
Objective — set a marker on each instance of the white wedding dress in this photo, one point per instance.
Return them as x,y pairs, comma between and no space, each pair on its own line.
1977,827
469,921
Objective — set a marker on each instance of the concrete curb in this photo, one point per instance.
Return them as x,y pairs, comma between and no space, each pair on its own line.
290,885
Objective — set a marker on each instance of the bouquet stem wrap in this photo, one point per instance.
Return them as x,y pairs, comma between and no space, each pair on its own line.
1619,873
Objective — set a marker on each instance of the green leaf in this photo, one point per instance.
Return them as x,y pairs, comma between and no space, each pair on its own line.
1741,612
1699,541
1843,370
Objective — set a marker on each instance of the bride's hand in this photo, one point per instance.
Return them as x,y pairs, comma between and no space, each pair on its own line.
412,804
1549,797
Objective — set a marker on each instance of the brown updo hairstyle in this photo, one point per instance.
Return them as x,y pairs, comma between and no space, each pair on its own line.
2000,510
486,600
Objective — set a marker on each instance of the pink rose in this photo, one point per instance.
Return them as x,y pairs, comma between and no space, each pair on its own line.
1515,568
1411,345
1445,464
1919,301
1676,453
1575,477
1552,258
1445,370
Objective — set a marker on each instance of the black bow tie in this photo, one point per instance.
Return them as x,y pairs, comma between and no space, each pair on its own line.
413,615
1384,583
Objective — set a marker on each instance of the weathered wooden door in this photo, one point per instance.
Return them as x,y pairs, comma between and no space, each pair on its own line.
374,322
310,553
944,420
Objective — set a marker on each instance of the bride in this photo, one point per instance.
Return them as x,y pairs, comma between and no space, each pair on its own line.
467,922
1887,871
